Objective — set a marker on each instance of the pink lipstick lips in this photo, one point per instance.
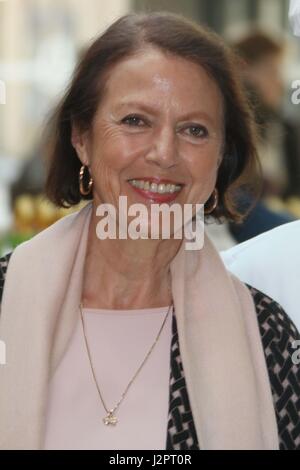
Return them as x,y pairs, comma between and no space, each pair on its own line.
156,189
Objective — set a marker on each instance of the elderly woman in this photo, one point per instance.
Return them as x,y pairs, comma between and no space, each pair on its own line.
121,343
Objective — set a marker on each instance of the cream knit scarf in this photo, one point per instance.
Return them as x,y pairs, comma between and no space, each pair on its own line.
219,338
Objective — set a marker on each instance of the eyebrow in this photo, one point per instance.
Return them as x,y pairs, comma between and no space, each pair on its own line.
150,109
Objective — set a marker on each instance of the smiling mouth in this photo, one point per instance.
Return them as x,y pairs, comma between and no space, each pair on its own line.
155,188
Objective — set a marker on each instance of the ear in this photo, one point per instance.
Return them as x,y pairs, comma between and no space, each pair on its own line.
220,159
80,141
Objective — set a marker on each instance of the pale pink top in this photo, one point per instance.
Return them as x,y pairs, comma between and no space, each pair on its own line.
118,340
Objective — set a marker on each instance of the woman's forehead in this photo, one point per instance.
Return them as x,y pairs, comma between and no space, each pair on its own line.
153,74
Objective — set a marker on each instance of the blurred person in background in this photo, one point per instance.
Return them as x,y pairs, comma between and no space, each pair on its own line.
279,144
271,261
279,149
124,343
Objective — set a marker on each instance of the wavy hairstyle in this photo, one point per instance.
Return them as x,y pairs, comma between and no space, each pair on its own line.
181,37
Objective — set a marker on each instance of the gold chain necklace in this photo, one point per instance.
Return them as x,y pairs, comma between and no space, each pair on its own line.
110,418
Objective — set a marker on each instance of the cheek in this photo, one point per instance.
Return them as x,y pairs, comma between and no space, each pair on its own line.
111,153
105,166
115,151
204,165
106,151
203,170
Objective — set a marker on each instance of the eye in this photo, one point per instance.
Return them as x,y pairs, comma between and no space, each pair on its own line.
197,131
134,120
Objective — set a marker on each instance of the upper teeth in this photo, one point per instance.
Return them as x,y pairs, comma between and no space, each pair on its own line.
160,188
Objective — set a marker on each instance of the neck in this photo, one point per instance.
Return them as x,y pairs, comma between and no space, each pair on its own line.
131,273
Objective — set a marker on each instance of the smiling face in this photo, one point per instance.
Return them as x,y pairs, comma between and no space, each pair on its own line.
157,134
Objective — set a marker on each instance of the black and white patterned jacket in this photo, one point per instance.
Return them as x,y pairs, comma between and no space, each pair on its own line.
277,334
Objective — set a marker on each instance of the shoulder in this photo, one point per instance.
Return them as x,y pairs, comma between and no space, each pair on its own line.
284,238
3,268
281,340
271,263
269,312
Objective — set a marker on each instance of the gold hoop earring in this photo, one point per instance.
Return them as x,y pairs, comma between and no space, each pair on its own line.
83,191
215,194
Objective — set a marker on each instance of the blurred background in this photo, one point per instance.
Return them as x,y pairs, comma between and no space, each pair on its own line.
40,41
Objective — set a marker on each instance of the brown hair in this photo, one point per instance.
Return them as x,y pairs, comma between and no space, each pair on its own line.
125,37
256,46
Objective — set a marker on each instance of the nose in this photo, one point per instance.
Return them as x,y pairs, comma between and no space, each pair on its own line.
164,149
